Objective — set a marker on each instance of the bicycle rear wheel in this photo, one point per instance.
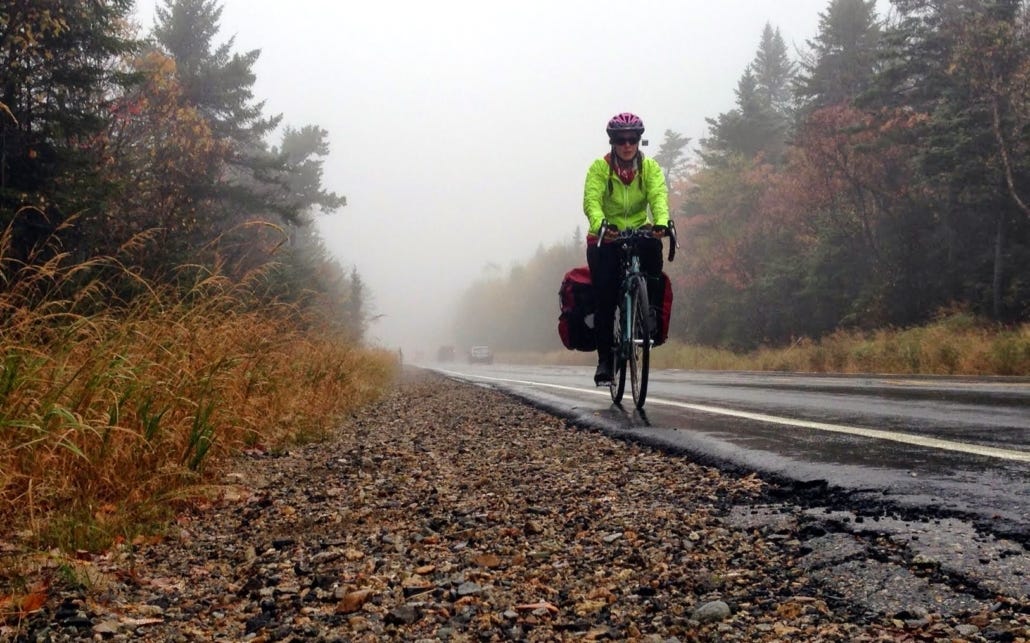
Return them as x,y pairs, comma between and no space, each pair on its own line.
640,341
618,384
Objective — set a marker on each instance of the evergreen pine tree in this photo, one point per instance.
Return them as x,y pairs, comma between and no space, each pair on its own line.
355,313
304,151
670,154
216,80
759,124
219,84
774,73
843,54
59,71
751,128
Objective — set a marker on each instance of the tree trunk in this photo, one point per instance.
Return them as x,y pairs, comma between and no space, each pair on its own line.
999,244
1003,151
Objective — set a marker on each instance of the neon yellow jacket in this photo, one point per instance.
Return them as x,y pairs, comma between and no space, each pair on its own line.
626,206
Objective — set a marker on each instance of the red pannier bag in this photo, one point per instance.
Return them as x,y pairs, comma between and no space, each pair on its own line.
576,304
663,309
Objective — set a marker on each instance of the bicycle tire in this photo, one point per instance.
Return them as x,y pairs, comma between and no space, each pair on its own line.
618,384
640,341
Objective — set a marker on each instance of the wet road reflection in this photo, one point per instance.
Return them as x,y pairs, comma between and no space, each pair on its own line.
954,444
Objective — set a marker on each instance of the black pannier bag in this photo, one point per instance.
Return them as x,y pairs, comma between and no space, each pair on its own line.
576,302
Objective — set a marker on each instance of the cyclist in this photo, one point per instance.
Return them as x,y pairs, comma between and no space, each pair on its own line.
624,190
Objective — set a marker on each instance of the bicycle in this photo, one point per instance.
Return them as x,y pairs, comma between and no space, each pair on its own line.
632,339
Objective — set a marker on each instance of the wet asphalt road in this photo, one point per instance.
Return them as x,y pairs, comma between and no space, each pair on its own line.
939,446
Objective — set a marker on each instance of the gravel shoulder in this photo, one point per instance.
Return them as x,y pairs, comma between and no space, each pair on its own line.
453,512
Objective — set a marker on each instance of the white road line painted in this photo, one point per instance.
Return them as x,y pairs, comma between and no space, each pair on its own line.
905,438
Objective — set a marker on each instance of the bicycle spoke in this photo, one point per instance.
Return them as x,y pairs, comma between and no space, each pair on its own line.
640,342
618,383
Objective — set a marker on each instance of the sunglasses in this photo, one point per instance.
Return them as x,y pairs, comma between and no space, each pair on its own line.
623,140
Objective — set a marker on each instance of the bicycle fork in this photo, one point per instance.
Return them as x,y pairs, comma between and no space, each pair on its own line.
626,330
629,310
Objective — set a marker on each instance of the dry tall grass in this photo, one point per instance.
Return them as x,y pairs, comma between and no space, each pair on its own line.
110,412
954,345
957,344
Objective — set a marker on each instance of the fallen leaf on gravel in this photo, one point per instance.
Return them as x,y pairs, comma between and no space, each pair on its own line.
106,629
353,554
531,607
534,583
234,493
752,483
137,622
601,593
783,629
353,601
487,560
23,605
980,620
789,610
415,584
425,569
597,634
166,584
585,608
142,539
415,580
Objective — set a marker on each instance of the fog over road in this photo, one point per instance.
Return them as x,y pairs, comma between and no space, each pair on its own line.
931,446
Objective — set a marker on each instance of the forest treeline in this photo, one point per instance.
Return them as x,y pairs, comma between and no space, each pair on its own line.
165,301
878,178
153,150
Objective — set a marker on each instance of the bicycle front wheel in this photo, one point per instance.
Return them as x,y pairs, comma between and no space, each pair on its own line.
618,384
640,341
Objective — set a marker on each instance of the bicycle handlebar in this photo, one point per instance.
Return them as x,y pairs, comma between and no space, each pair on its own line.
644,232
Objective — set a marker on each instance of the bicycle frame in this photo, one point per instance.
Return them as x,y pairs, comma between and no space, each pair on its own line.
631,341
630,274
632,338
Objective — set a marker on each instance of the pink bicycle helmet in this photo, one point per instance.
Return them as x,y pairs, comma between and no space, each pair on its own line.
625,122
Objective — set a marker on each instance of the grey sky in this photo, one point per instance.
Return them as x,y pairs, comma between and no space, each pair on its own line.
460,131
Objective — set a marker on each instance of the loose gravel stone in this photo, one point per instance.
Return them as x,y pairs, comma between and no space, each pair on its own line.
711,612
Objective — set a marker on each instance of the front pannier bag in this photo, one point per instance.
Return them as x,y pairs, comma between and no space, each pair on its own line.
576,302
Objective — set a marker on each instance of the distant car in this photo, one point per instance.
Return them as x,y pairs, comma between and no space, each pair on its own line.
445,354
481,355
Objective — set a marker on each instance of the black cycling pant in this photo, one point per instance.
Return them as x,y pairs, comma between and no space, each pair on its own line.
606,277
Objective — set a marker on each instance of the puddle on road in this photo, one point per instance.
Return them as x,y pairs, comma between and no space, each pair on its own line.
891,566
